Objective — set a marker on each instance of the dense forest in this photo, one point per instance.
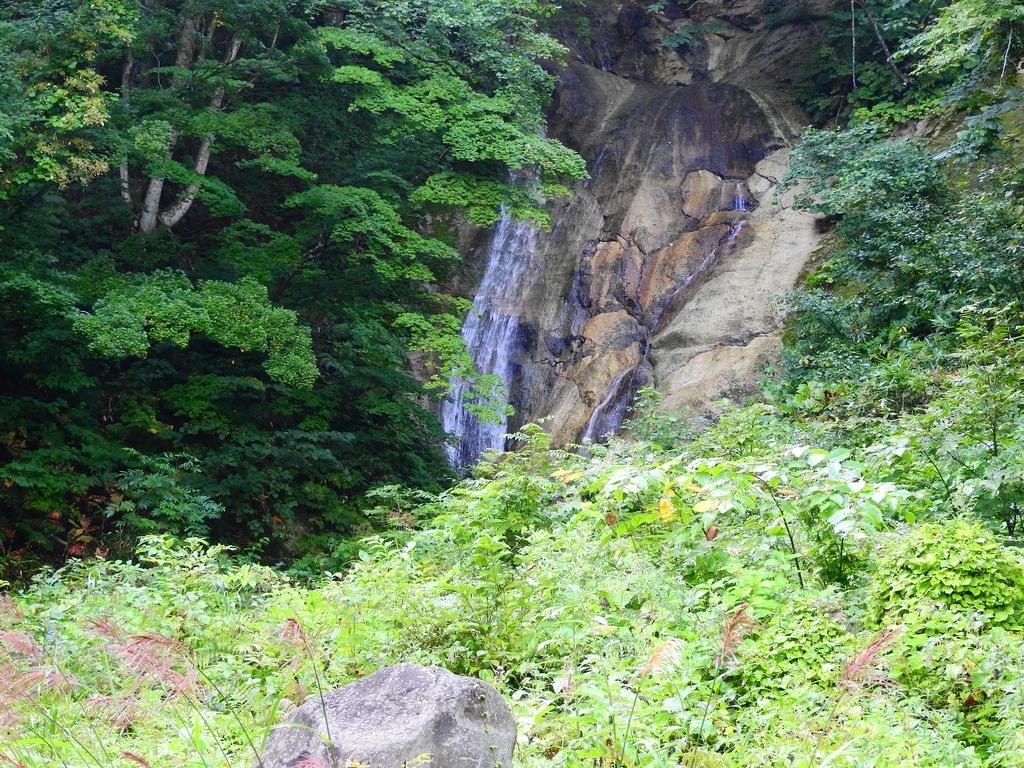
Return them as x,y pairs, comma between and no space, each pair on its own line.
223,225
232,294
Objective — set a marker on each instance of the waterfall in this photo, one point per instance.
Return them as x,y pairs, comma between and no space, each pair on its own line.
491,331
611,412
739,201
604,55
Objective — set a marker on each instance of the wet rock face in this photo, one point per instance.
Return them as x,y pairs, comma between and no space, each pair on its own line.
399,716
665,266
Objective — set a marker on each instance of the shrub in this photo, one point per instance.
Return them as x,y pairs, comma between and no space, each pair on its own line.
802,645
959,565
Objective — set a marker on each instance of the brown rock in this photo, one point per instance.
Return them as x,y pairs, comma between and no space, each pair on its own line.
649,266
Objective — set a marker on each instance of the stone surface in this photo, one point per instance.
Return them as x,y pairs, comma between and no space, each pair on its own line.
398,717
717,344
668,263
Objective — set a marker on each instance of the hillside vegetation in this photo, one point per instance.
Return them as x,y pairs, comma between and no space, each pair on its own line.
750,599
828,576
224,224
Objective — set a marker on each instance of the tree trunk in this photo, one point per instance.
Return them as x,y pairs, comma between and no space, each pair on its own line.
183,59
151,203
881,40
177,211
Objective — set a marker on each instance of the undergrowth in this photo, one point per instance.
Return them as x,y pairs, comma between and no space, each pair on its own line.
724,602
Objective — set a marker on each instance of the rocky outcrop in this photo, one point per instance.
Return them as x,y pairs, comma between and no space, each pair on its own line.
717,343
667,264
400,716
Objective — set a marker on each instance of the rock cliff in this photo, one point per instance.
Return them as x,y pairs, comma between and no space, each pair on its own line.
667,264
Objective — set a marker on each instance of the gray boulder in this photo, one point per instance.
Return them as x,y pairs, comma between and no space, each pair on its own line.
403,716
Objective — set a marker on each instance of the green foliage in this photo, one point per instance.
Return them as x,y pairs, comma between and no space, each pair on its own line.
910,253
51,90
685,598
861,62
483,200
649,423
224,228
959,565
158,499
978,44
745,431
164,308
600,595
968,34
780,12
954,660
800,646
692,35
859,171
905,340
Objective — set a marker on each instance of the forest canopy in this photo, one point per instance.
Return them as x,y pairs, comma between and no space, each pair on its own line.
223,226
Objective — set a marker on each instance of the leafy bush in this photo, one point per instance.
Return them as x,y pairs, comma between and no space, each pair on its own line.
959,565
803,644
650,423
634,605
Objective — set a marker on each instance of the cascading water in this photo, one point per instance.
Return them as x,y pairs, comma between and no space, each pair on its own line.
683,154
709,261
610,413
491,331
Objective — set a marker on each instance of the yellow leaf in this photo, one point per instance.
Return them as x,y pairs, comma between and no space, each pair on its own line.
706,506
665,509
570,477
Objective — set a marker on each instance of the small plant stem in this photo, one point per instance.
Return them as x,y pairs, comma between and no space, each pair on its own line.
234,714
52,656
789,532
323,704
199,752
796,556
629,720
964,464
942,477
828,721
45,741
8,744
885,46
707,711
41,710
611,717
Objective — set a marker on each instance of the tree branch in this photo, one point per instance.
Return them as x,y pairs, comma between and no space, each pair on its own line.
881,40
1006,56
123,171
182,60
853,44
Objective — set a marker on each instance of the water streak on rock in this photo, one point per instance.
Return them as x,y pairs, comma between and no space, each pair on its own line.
610,413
